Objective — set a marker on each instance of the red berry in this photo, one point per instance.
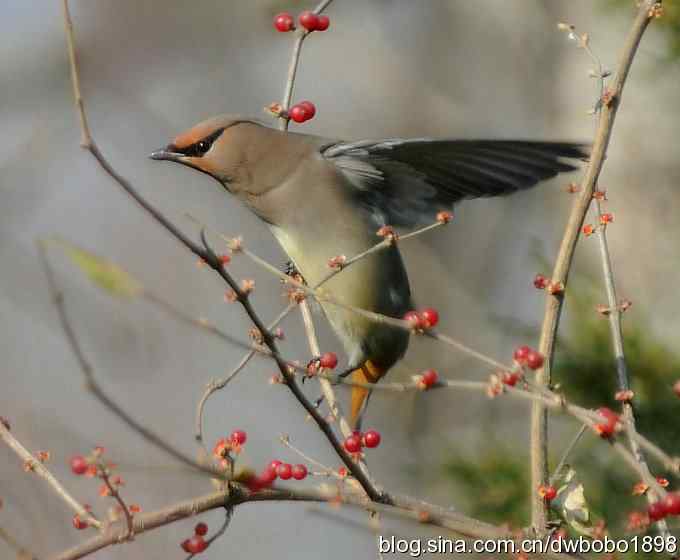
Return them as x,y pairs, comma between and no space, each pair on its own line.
275,464
309,20
194,545
298,113
656,511
353,444
323,23
521,354
608,427
268,476
429,318
299,472
78,464
672,503
238,436
310,107
201,529
372,438
414,319
328,360
540,282
284,22
79,523
429,378
510,378
534,359
285,471
548,493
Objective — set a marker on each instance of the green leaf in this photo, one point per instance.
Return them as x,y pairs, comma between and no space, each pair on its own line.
103,273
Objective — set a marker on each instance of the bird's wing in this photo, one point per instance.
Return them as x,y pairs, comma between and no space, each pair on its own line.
404,182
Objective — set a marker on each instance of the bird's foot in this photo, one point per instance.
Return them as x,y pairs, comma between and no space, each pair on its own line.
289,269
312,367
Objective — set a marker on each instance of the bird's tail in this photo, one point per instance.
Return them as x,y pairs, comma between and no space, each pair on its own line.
369,372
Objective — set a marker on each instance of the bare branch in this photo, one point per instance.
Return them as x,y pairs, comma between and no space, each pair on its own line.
403,507
93,386
213,261
554,302
35,466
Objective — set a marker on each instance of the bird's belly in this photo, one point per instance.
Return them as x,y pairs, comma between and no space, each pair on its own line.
376,283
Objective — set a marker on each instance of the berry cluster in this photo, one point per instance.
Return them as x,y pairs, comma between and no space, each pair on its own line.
358,440
302,112
196,544
670,505
526,356
95,466
311,21
422,320
276,469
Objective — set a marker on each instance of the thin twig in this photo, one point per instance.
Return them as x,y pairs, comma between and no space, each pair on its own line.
213,261
33,465
216,385
21,552
285,440
560,275
115,494
293,66
91,383
565,456
622,375
223,528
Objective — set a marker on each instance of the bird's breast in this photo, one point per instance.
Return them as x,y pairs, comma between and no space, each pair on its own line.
376,283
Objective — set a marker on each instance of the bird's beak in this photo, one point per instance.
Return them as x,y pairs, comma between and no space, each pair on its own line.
166,154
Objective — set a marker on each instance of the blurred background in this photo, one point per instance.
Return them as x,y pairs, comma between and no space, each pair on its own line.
497,69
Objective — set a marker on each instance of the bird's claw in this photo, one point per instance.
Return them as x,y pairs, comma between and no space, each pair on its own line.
291,270
312,368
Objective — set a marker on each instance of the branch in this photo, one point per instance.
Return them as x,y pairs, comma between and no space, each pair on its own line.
93,386
211,259
554,303
403,507
292,68
622,377
35,466
21,552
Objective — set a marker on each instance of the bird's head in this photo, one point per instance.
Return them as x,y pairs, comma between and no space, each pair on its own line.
215,146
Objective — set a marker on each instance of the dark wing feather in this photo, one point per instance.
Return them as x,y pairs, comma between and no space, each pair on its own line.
405,182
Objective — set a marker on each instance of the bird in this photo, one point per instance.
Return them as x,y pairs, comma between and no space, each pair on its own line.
324,197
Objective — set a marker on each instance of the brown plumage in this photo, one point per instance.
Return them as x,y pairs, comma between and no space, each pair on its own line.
323,197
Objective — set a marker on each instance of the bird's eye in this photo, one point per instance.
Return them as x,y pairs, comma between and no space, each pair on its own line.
203,146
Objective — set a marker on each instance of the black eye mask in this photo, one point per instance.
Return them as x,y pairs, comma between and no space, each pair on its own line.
198,149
